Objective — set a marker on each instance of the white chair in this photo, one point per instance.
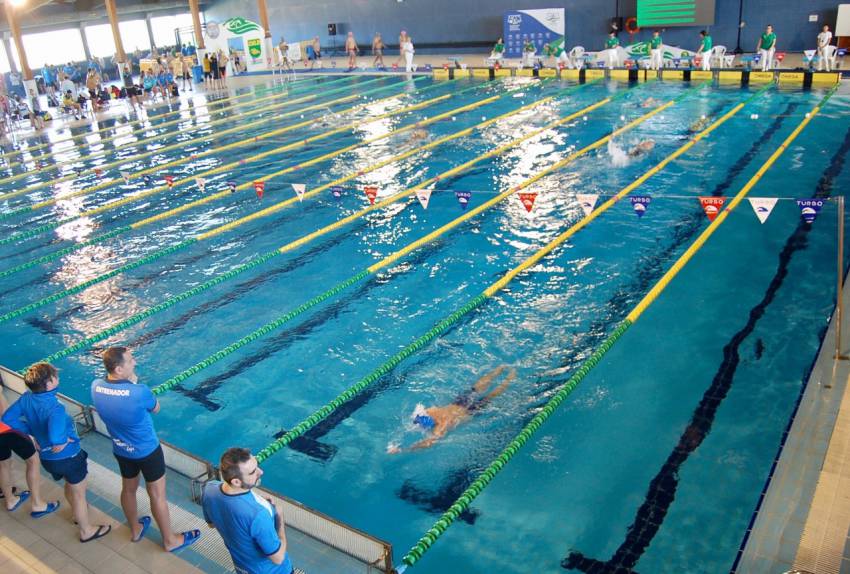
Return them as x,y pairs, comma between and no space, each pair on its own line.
577,57
718,54
528,58
494,58
830,57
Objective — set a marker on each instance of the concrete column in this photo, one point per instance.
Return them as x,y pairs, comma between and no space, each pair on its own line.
196,24
85,42
150,31
12,19
7,44
116,34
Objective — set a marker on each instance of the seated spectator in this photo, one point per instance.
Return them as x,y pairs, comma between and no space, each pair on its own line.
37,115
66,85
72,105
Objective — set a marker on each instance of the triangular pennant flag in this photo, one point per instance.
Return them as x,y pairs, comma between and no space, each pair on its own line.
371,192
39,166
587,201
712,206
809,208
147,179
810,54
231,185
98,172
126,176
640,203
299,188
424,196
169,181
337,191
763,206
463,198
202,183
260,188
527,200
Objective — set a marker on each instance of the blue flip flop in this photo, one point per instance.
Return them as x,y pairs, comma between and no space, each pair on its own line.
189,538
22,497
51,507
145,521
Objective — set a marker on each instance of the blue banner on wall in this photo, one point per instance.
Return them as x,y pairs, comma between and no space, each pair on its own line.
540,26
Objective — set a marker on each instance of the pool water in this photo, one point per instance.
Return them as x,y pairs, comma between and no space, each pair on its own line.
655,462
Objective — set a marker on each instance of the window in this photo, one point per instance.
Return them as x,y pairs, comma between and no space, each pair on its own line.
100,40
134,35
56,47
164,26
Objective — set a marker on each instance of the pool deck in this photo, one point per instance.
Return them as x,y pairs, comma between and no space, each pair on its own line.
804,516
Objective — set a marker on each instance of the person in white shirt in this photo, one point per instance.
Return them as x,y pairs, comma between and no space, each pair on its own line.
407,50
824,38
67,85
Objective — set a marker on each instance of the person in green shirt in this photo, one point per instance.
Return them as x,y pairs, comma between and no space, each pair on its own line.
528,53
656,51
612,45
705,50
767,46
498,51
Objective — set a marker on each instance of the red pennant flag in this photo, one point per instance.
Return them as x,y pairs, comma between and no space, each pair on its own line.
527,200
169,181
98,172
371,193
712,206
260,188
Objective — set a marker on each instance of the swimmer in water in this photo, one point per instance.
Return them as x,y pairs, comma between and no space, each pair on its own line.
439,420
643,147
417,134
650,103
699,125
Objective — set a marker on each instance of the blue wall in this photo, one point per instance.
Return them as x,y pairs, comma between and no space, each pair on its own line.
480,21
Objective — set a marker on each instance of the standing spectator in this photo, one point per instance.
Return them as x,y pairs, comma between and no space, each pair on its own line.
186,69
824,56
216,73
378,51
13,441
222,68
252,527
207,65
130,88
92,81
402,40
351,50
126,407
317,53
767,47
528,53
47,76
39,414
407,49
656,51
612,46
705,47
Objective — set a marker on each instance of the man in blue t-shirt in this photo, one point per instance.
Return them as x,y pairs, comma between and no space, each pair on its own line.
252,527
126,408
39,413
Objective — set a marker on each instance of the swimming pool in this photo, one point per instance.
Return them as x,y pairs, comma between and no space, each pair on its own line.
604,480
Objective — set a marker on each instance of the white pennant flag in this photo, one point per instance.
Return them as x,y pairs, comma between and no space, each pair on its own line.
810,54
587,201
763,206
299,188
202,183
424,196
126,176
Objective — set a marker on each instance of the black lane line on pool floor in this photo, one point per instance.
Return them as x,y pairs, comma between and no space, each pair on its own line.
662,490
647,273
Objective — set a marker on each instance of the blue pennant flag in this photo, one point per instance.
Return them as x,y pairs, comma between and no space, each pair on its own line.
463,198
809,208
640,203
147,179
337,191
231,185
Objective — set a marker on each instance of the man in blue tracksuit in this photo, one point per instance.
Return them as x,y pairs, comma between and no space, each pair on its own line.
39,413
126,407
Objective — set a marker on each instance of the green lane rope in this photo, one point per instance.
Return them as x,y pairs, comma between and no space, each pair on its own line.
486,476
159,253
22,235
186,158
169,302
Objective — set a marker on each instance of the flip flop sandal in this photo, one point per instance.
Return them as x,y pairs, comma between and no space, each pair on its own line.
51,507
22,497
189,538
145,521
101,531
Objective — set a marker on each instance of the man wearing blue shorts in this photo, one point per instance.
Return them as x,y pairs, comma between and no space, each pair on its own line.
252,527
126,408
39,413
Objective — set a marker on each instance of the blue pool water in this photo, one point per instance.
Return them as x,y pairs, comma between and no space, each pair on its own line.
603,483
